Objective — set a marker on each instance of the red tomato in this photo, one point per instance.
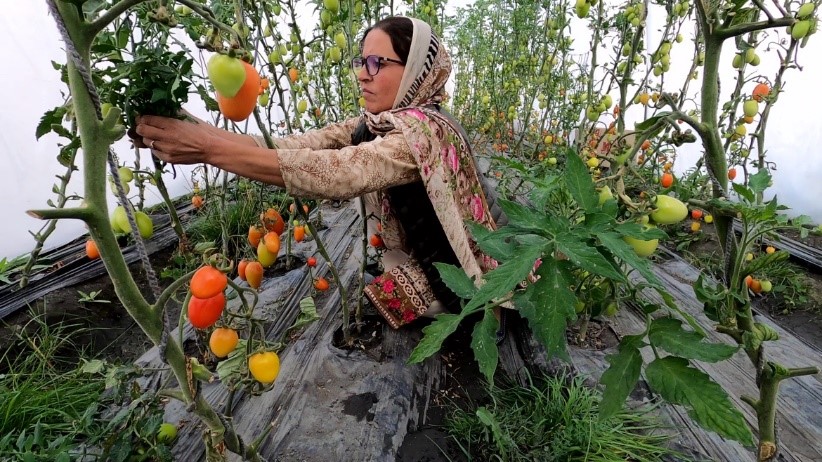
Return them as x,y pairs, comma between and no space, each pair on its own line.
207,282
241,269
204,312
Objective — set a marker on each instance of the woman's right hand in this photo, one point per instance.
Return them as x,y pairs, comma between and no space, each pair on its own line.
175,141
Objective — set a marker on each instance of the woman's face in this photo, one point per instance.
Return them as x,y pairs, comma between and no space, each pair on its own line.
380,91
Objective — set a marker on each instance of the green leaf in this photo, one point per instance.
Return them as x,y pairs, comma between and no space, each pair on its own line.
50,118
483,342
586,256
638,231
523,217
622,250
505,278
492,243
433,336
759,181
580,184
619,379
649,122
707,403
93,367
764,261
744,192
456,280
668,334
234,363
308,314
547,305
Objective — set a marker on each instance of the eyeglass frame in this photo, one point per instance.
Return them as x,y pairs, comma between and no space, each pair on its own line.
364,63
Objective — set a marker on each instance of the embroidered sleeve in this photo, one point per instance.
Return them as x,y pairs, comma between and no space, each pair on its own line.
350,171
333,136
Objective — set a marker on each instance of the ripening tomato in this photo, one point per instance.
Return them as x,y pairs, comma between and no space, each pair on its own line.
241,268
207,282
299,233
242,104
376,241
265,257
321,284
254,235
271,240
223,340
91,250
312,262
273,221
756,286
748,280
667,180
204,312
264,367
254,274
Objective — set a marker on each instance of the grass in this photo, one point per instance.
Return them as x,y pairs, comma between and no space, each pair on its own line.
554,420
42,397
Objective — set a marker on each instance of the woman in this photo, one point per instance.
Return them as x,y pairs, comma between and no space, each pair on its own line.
411,165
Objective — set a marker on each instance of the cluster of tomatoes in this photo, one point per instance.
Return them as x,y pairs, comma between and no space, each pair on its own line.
206,307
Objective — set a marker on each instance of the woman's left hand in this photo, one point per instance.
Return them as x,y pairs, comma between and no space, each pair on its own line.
175,141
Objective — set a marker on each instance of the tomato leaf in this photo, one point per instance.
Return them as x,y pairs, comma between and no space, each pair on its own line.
230,368
495,244
620,378
650,121
456,280
503,279
744,192
433,336
483,342
49,120
707,403
759,181
586,256
523,217
668,334
547,305
579,184
625,252
308,314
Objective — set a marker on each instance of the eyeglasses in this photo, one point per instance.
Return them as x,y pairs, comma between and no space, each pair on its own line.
372,63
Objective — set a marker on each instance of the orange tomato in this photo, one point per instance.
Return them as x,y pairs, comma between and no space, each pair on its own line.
91,250
243,103
770,249
207,282
272,242
273,221
756,286
760,91
667,180
321,284
646,145
223,340
293,207
197,201
312,262
299,233
376,241
731,173
696,214
293,74
264,84
241,267
254,274
748,280
254,235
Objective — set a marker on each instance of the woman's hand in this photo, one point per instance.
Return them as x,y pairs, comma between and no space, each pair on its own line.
176,141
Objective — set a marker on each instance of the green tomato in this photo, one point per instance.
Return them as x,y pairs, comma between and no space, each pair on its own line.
340,40
119,220
227,74
302,105
126,187
332,5
642,248
263,99
805,10
605,194
750,108
167,433
334,54
611,309
767,286
552,160
144,224
669,210
126,174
